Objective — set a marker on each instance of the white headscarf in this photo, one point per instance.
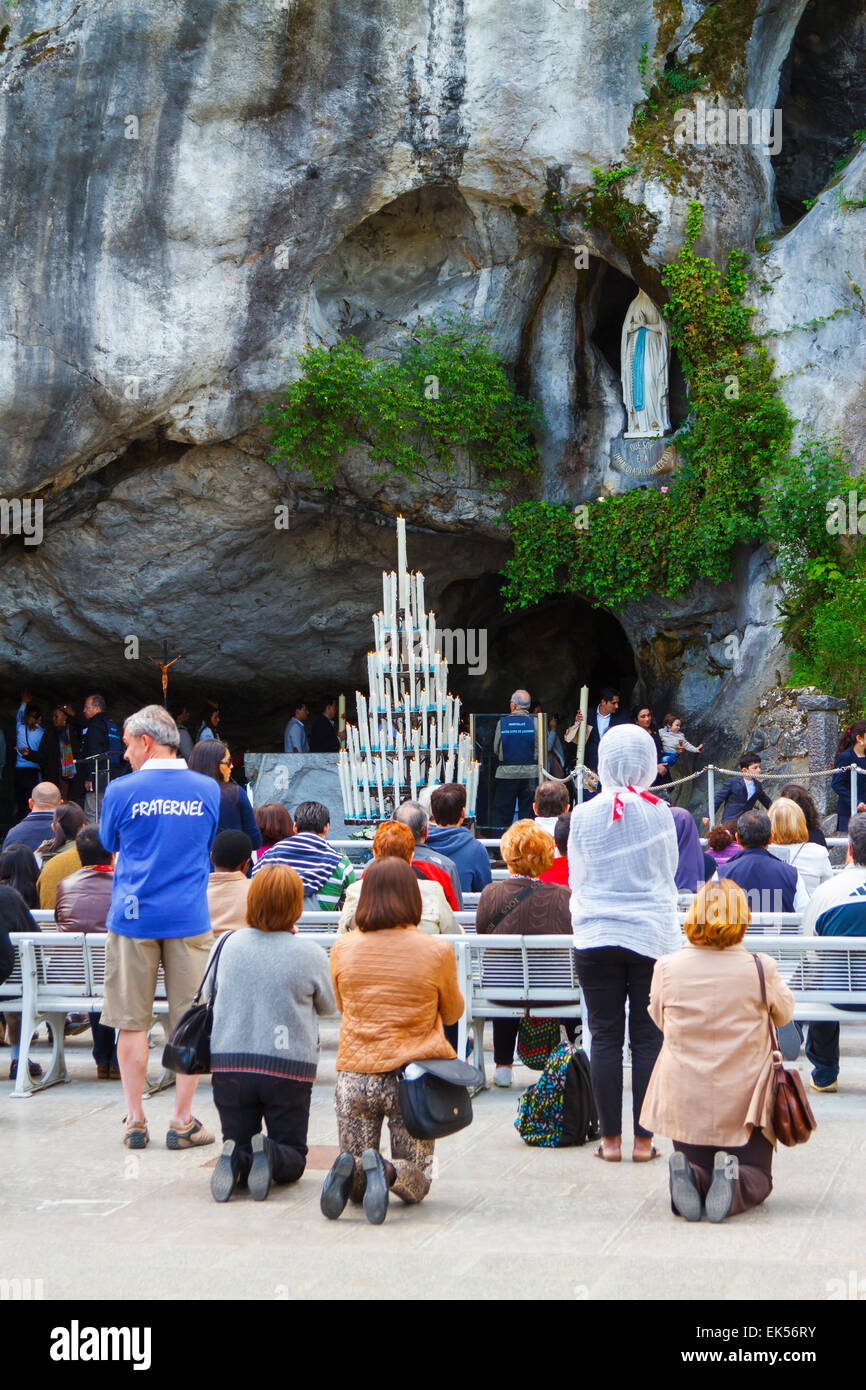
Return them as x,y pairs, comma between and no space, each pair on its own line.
627,757
622,853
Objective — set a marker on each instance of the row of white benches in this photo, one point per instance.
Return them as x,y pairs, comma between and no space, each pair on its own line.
57,973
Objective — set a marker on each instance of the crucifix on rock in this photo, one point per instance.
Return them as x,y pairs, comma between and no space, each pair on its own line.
163,666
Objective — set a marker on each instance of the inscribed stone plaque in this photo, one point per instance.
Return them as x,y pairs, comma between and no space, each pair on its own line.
641,461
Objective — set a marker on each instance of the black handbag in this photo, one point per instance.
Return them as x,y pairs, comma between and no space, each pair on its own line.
188,1048
434,1096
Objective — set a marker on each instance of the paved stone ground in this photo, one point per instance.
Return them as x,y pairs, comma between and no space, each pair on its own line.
502,1221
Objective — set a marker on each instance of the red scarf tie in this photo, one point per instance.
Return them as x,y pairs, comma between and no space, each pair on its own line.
618,806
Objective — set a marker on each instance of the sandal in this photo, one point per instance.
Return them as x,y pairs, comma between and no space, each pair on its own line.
646,1158
612,1158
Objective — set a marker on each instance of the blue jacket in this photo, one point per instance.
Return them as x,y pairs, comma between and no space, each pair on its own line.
161,823
473,864
759,871
841,784
236,813
735,797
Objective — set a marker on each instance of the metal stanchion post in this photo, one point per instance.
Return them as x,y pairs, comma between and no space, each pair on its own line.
854,797
579,784
711,792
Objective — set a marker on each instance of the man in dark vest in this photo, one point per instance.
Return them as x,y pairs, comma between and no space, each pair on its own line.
517,774
768,883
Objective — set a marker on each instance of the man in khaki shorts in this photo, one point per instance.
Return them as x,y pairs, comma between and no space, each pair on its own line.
161,822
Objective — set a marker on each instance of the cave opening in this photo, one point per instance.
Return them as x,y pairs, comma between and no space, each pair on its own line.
610,295
550,649
822,95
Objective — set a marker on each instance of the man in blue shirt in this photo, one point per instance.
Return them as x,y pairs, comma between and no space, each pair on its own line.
161,822
836,908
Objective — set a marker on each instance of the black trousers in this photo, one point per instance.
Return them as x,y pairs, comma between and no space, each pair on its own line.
25,779
244,1099
507,792
505,1032
610,975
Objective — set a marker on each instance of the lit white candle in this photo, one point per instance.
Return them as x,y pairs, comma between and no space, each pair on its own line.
401,556
416,743
365,784
581,735
399,746
389,723
423,730
413,778
363,726
379,789
419,598
431,633
371,677
407,718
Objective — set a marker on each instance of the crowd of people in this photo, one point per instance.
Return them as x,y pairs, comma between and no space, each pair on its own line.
175,866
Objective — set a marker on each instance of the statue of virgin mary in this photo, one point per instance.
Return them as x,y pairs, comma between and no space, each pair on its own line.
645,353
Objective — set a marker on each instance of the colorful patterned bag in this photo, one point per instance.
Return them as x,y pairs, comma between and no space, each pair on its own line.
536,1040
560,1108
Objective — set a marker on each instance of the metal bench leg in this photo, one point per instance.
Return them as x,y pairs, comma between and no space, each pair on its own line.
478,1049
165,1079
57,1070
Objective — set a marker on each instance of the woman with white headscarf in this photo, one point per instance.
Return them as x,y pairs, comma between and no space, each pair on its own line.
622,858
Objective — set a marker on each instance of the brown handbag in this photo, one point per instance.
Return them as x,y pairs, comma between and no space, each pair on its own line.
793,1120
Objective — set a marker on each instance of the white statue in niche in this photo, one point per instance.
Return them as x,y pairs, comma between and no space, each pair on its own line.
645,354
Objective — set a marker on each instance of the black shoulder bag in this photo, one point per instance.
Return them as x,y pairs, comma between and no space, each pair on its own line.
188,1048
434,1096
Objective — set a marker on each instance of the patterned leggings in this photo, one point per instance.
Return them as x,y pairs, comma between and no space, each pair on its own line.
363,1100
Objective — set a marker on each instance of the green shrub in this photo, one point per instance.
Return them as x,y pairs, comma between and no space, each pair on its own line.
445,394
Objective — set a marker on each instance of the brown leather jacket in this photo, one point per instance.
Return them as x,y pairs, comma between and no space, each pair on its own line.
83,900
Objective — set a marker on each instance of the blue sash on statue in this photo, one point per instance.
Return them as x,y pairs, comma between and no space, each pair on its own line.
637,369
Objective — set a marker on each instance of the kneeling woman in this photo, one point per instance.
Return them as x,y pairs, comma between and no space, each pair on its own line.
711,1089
268,986
396,987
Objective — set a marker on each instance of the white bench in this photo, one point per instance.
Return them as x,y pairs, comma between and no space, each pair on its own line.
56,973
499,977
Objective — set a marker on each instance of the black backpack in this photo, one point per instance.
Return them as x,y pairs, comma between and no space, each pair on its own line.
560,1108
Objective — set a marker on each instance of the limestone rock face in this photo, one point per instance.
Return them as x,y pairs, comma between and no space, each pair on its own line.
191,193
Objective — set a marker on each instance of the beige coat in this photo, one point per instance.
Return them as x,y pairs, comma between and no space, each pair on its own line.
436,915
710,1084
227,892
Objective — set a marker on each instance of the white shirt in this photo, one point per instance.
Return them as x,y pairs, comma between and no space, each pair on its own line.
750,787
602,723
547,823
621,872
812,863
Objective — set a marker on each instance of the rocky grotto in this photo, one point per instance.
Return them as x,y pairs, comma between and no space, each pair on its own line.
193,192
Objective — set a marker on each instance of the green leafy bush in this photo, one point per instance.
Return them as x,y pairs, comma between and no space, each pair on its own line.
446,393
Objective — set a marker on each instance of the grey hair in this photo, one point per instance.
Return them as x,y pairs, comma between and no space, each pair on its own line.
521,699
424,795
99,701
857,838
155,721
412,813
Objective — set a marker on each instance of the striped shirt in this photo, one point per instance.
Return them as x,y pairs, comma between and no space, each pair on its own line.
838,907
323,870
